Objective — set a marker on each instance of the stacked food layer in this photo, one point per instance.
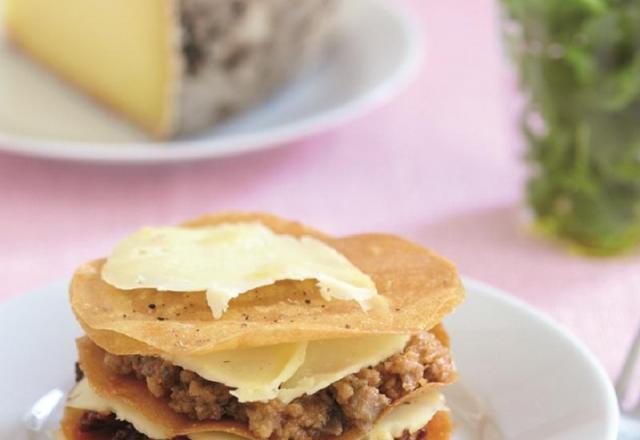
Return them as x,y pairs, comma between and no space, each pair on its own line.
249,326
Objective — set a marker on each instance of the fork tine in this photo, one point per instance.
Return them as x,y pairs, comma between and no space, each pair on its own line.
624,380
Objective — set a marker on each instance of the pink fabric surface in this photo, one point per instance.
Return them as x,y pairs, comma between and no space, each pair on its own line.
441,165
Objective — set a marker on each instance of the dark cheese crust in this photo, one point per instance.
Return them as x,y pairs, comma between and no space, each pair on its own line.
355,401
229,67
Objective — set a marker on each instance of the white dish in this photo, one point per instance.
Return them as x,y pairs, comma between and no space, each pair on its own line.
377,53
521,376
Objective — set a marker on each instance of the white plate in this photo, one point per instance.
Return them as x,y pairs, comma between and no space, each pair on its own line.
377,53
522,376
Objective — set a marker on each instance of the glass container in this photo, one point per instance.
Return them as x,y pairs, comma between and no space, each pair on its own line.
579,68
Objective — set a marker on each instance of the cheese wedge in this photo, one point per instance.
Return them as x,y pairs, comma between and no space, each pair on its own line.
172,66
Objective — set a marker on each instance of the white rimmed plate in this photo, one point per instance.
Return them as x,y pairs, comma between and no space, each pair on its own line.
377,53
522,377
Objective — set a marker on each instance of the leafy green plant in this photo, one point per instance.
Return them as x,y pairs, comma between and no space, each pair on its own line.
579,63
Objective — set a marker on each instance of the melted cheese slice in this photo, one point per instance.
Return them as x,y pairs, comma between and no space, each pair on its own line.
410,416
287,371
330,360
84,397
256,373
230,259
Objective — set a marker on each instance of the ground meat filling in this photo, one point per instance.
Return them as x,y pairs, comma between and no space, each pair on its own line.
354,401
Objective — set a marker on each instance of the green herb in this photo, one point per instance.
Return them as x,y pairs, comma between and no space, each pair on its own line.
579,63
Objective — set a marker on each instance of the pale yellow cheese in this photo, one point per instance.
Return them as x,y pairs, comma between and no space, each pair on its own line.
330,360
84,397
256,373
230,259
121,52
410,416
288,371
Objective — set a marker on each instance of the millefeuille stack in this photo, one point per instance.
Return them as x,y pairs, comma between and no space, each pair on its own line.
249,326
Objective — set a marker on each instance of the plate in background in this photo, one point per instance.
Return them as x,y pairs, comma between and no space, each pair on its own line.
377,53
521,375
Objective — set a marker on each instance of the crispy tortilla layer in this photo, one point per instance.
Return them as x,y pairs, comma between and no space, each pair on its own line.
438,428
136,394
419,286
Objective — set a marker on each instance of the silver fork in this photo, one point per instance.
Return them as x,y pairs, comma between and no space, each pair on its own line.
629,413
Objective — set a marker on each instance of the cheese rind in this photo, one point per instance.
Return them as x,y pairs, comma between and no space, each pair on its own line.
230,259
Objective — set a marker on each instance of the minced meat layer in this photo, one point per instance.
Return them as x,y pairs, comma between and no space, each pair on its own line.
110,428
354,401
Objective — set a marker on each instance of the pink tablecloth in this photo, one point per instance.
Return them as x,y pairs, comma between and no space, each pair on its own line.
441,165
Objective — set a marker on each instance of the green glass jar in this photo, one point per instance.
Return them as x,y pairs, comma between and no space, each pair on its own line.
579,67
